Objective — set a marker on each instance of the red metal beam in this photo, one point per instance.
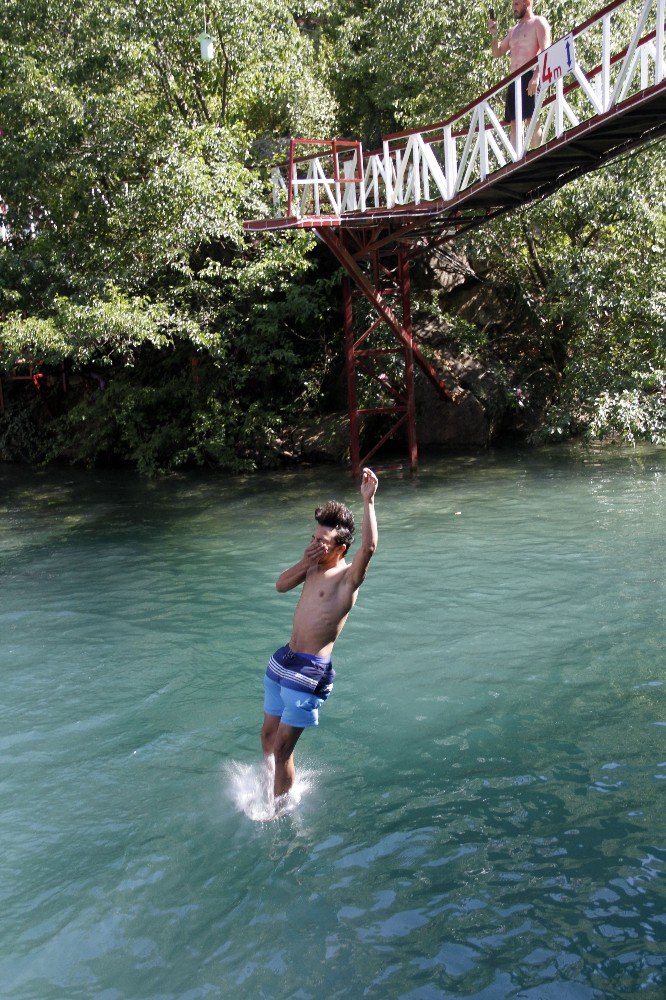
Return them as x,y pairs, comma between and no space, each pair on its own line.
374,287
335,245
389,434
405,294
352,400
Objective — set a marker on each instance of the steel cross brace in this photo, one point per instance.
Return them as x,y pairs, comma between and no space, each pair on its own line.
384,281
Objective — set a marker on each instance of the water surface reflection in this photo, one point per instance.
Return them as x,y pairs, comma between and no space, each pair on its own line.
483,815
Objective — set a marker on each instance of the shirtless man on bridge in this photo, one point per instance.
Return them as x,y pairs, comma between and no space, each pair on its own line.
300,675
524,41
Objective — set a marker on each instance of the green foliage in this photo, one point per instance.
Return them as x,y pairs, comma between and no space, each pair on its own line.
23,436
129,166
578,281
102,330
631,414
400,65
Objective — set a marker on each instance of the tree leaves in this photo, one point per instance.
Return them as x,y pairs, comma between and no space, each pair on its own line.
129,165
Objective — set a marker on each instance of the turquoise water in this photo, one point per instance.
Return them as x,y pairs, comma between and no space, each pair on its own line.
483,808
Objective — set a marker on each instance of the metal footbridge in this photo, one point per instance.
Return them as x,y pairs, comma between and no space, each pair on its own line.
602,95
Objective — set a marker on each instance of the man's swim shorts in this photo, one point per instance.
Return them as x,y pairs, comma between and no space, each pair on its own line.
528,101
296,685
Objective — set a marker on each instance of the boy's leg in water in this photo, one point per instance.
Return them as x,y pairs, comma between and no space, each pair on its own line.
268,731
284,741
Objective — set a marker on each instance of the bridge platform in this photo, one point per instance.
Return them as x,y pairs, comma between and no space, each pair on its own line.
377,211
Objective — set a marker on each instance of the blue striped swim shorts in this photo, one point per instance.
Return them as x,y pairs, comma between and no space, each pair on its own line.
296,685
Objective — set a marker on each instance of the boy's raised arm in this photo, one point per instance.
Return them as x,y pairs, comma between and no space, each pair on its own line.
369,533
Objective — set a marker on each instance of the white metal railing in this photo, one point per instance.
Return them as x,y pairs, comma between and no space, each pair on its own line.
619,53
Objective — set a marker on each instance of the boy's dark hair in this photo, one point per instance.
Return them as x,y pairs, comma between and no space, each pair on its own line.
336,515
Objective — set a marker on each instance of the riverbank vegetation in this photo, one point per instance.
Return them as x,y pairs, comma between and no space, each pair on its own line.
128,166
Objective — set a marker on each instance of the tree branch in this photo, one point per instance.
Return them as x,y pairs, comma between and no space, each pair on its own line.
226,73
531,246
200,97
164,69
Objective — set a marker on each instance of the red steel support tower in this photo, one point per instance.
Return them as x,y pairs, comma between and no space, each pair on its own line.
380,210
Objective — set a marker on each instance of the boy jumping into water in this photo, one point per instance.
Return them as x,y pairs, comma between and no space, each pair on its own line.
300,675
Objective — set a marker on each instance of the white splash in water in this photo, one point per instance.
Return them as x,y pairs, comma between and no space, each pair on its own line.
250,787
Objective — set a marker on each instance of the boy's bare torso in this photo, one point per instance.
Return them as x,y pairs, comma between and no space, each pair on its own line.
326,600
330,584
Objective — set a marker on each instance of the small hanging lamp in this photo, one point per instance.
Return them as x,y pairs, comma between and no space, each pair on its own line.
206,42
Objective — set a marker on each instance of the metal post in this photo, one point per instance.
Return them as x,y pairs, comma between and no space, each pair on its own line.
605,62
290,189
350,361
376,300
518,112
405,295
659,43
388,175
483,144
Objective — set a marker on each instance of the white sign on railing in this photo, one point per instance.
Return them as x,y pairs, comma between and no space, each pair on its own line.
556,61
